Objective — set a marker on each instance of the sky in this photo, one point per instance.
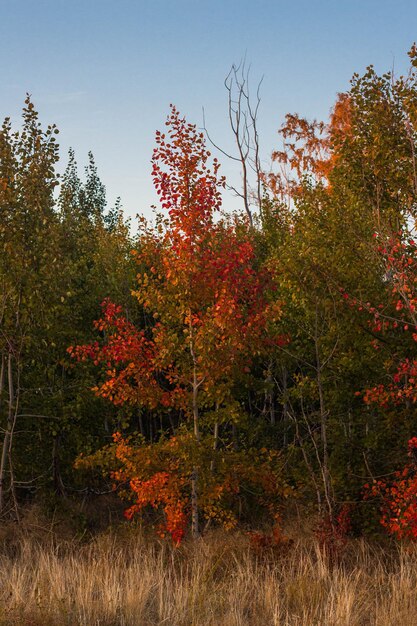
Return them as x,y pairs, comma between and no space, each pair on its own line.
106,71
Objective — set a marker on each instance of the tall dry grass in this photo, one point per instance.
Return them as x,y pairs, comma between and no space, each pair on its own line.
217,581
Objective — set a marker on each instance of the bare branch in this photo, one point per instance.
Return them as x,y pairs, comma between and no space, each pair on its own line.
242,114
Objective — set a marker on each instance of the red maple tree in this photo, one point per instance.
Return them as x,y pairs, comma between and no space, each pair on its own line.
200,284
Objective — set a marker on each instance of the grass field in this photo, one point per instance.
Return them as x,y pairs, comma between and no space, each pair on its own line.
125,580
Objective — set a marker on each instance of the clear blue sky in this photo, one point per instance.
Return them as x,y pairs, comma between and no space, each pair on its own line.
106,70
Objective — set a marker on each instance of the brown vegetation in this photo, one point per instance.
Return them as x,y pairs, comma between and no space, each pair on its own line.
124,579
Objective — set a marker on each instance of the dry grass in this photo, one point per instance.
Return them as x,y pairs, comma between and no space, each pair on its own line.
125,580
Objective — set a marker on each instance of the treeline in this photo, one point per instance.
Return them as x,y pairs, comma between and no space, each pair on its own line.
239,362
61,254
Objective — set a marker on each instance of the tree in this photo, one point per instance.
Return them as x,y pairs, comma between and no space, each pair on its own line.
340,183
205,299
58,260
28,265
243,120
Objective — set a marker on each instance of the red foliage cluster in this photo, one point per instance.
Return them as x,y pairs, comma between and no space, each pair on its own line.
187,189
164,490
399,257
129,359
400,260
399,498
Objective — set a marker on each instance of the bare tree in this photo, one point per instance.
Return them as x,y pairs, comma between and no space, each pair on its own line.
243,115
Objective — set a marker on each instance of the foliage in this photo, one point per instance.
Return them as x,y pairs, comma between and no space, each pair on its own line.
158,476
53,270
239,358
398,498
199,281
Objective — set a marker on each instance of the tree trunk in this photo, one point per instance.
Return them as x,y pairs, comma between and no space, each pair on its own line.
215,442
285,407
195,530
5,453
323,427
270,394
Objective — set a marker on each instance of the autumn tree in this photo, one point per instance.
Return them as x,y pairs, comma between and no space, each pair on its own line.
205,299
